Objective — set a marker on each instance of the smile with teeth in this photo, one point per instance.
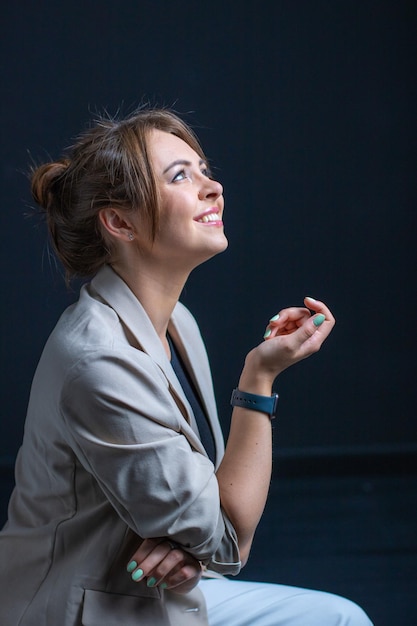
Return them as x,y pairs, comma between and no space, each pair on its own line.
211,217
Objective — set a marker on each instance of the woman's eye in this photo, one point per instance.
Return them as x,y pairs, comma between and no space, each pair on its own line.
183,174
179,176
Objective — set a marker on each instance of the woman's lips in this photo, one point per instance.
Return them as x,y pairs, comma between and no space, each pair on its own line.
209,216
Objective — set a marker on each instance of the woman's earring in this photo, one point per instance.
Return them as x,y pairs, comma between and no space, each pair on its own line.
130,236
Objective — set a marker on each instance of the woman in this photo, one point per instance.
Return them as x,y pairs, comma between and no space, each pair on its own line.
127,509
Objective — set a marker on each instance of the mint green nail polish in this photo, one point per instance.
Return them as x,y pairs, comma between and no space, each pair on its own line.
137,575
319,319
274,319
267,333
132,565
163,585
151,582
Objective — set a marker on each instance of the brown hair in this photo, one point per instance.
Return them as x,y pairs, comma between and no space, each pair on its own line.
108,166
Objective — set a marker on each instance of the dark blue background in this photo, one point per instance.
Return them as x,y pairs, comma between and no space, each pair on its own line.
308,112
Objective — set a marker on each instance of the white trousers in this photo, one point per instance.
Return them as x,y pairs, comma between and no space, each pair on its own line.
239,603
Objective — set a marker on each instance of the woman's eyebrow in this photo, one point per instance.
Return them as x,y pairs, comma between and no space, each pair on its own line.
181,162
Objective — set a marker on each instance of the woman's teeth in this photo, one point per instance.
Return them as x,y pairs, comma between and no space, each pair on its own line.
212,217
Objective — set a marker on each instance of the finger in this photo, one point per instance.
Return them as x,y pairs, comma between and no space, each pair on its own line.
309,337
290,313
189,573
147,557
166,568
286,321
319,307
146,548
139,556
162,560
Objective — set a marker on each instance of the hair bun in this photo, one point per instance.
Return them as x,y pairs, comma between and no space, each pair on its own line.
42,181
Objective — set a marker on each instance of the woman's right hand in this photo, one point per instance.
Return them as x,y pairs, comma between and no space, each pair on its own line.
165,564
292,335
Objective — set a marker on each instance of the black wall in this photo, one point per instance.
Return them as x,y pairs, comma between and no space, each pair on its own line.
308,112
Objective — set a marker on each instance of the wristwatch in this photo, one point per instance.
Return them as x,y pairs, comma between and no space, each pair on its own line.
263,404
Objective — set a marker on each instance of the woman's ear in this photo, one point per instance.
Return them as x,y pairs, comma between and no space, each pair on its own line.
115,223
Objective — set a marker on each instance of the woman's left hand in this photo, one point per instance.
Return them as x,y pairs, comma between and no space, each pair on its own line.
165,565
292,335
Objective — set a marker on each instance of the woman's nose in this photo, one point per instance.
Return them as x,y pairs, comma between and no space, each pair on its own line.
210,189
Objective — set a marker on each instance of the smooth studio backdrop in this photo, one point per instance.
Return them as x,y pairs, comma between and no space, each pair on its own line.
308,113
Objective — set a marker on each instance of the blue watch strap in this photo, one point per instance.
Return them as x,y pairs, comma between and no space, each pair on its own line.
264,404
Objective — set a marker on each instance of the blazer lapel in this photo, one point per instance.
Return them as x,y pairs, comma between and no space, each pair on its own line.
115,292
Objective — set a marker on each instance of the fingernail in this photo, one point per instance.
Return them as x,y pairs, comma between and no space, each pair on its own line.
319,319
137,575
163,585
132,565
274,319
151,582
267,333
310,298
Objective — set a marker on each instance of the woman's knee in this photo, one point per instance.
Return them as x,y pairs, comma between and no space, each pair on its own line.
240,603
328,609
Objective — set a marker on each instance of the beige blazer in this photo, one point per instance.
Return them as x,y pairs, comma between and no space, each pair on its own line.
111,453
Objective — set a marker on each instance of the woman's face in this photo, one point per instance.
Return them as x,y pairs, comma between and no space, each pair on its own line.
190,225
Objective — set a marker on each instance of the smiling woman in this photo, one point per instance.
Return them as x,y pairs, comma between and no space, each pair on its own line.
190,227
128,508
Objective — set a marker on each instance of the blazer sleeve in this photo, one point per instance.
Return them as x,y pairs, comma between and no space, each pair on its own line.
124,425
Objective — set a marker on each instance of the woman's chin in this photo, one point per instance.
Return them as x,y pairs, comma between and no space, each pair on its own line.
212,252
221,246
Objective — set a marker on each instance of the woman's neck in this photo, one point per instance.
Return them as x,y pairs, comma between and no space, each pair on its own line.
158,293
